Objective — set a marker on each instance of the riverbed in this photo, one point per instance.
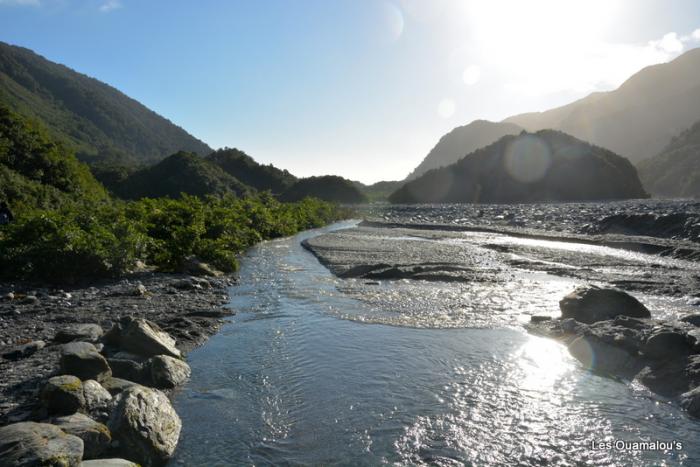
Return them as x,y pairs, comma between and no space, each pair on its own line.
320,370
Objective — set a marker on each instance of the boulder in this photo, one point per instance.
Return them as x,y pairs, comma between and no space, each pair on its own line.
116,386
668,379
96,437
97,399
690,401
667,343
197,267
692,319
146,425
167,372
79,332
63,395
29,444
589,304
126,369
84,361
108,463
23,351
143,337
597,355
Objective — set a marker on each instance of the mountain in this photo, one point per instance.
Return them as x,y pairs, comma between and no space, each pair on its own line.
93,117
328,188
243,167
675,171
379,191
544,166
461,141
183,172
35,170
638,119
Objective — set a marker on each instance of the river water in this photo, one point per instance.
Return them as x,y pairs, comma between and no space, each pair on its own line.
316,370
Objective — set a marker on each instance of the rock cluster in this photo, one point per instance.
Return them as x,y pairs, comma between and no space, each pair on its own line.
104,404
611,333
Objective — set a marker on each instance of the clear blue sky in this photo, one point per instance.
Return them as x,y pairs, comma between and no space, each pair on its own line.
360,88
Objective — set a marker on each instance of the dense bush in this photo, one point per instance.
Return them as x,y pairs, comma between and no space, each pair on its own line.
104,239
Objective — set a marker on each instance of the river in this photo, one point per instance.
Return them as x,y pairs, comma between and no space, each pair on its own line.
316,370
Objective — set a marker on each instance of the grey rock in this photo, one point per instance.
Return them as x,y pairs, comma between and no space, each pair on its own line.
30,444
81,332
539,319
589,304
692,319
96,436
143,337
63,395
23,351
84,361
690,401
167,372
108,463
668,379
9,296
126,369
146,425
196,267
599,356
97,398
667,343
140,290
116,386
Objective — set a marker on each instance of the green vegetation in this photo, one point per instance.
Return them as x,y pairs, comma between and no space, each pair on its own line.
329,187
531,167
240,165
68,228
93,118
379,191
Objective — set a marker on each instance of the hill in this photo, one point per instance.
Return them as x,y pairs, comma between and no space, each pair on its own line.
544,166
182,172
243,167
638,119
461,141
328,188
379,191
36,171
94,118
675,171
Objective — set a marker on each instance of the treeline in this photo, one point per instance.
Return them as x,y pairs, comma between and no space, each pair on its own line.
68,227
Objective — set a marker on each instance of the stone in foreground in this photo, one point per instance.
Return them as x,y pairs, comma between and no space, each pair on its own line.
82,359
146,425
145,338
590,304
108,463
167,372
96,437
38,444
63,395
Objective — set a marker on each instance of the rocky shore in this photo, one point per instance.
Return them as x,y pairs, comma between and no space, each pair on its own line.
85,372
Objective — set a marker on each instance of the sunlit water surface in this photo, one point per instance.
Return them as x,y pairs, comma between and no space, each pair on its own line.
314,370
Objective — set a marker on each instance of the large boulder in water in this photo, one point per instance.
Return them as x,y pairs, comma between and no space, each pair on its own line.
590,304
143,337
600,356
84,361
146,425
30,444
167,372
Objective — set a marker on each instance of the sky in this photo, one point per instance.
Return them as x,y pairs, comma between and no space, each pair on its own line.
358,88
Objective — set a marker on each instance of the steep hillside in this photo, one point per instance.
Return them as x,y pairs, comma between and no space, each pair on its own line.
544,166
461,141
675,172
379,191
261,177
638,119
182,172
36,171
328,188
93,117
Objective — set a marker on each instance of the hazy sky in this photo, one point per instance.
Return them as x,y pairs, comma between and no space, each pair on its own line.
359,88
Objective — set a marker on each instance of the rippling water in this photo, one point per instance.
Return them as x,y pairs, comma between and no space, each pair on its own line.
310,373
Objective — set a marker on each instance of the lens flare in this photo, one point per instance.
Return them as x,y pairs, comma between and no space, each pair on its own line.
527,159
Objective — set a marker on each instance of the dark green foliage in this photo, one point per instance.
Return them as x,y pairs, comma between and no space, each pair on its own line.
675,172
261,177
93,117
379,191
328,188
104,239
37,171
504,172
180,173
